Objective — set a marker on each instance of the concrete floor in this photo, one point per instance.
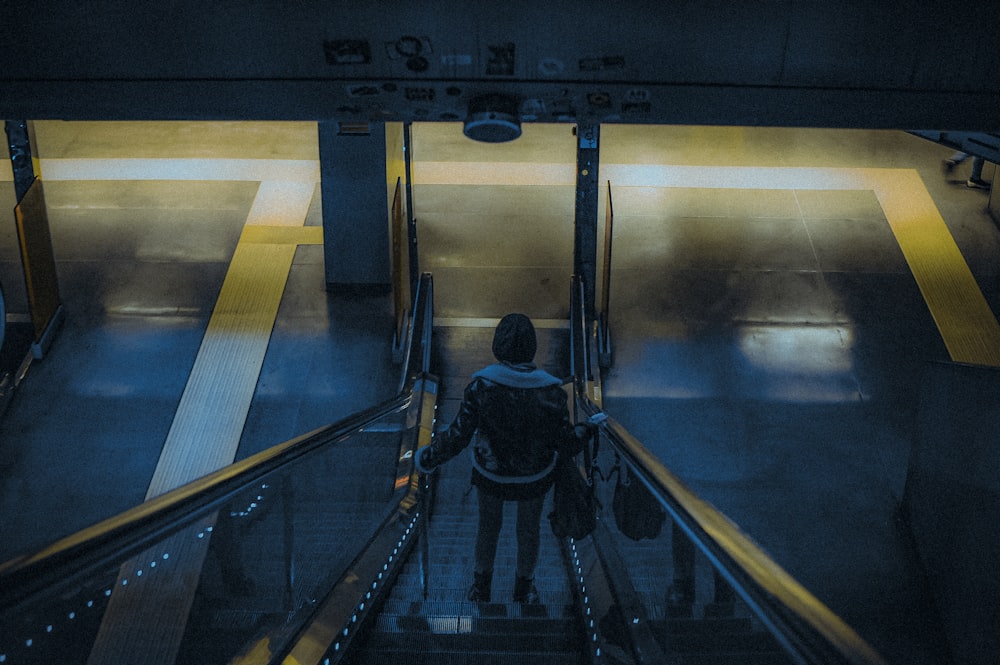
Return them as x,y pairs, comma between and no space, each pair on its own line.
768,343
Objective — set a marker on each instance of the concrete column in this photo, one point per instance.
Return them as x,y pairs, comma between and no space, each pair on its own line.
355,206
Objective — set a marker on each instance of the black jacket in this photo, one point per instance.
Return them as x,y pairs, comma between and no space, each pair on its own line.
517,418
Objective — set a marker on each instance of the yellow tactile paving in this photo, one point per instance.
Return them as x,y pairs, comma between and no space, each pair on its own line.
964,319
212,411
968,326
135,630
208,424
209,421
282,235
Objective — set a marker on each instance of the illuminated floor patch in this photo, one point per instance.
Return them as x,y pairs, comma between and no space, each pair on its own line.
964,319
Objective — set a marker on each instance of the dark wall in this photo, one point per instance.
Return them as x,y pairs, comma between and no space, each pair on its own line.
952,501
851,63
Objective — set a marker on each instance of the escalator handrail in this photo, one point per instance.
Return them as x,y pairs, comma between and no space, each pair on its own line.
807,628
417,357
66,560
162,515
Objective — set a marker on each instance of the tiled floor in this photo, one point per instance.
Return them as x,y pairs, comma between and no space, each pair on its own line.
768,337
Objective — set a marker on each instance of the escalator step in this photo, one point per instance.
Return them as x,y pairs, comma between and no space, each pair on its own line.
717,642
706,627
449,569
477,610
407,656
730,657
556,597
443,628
742,642
513,640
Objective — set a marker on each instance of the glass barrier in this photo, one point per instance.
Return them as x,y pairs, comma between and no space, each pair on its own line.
249,564
670,578
663,595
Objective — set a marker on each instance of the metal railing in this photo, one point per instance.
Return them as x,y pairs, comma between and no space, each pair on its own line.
265,547
742,573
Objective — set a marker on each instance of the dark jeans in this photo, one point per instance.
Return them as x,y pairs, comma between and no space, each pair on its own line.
529,516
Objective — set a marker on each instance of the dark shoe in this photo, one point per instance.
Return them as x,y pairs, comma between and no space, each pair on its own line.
481,588
525,591
948,166
977,183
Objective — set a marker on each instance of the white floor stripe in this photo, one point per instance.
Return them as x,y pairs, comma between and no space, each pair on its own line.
281,203
181,169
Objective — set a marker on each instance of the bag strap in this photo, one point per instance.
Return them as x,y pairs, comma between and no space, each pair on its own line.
591,449
588,461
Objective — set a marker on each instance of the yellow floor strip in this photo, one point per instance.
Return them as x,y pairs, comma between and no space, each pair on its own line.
207,426
964,319
282,235
212,412
210,417
968,326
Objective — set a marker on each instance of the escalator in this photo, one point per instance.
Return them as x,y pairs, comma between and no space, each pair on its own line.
443,627
331,549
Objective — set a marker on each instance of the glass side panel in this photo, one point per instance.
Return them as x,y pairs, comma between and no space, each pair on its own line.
250,566
664,587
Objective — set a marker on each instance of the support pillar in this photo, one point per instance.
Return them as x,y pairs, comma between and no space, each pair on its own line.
585,229
37,256
411,223
355,206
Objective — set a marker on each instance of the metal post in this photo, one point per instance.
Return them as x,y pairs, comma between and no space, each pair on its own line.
20,156
585,240
411,223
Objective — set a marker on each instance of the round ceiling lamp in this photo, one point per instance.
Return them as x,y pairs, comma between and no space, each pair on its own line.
492,119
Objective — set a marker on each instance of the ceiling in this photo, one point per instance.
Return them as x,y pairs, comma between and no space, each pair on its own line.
915,65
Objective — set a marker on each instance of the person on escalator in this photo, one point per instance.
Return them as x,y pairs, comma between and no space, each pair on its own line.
516,416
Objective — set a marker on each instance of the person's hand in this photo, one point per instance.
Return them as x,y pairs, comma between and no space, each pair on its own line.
588,428
424,460
597,418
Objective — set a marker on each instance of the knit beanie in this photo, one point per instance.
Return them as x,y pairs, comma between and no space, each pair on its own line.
514,339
